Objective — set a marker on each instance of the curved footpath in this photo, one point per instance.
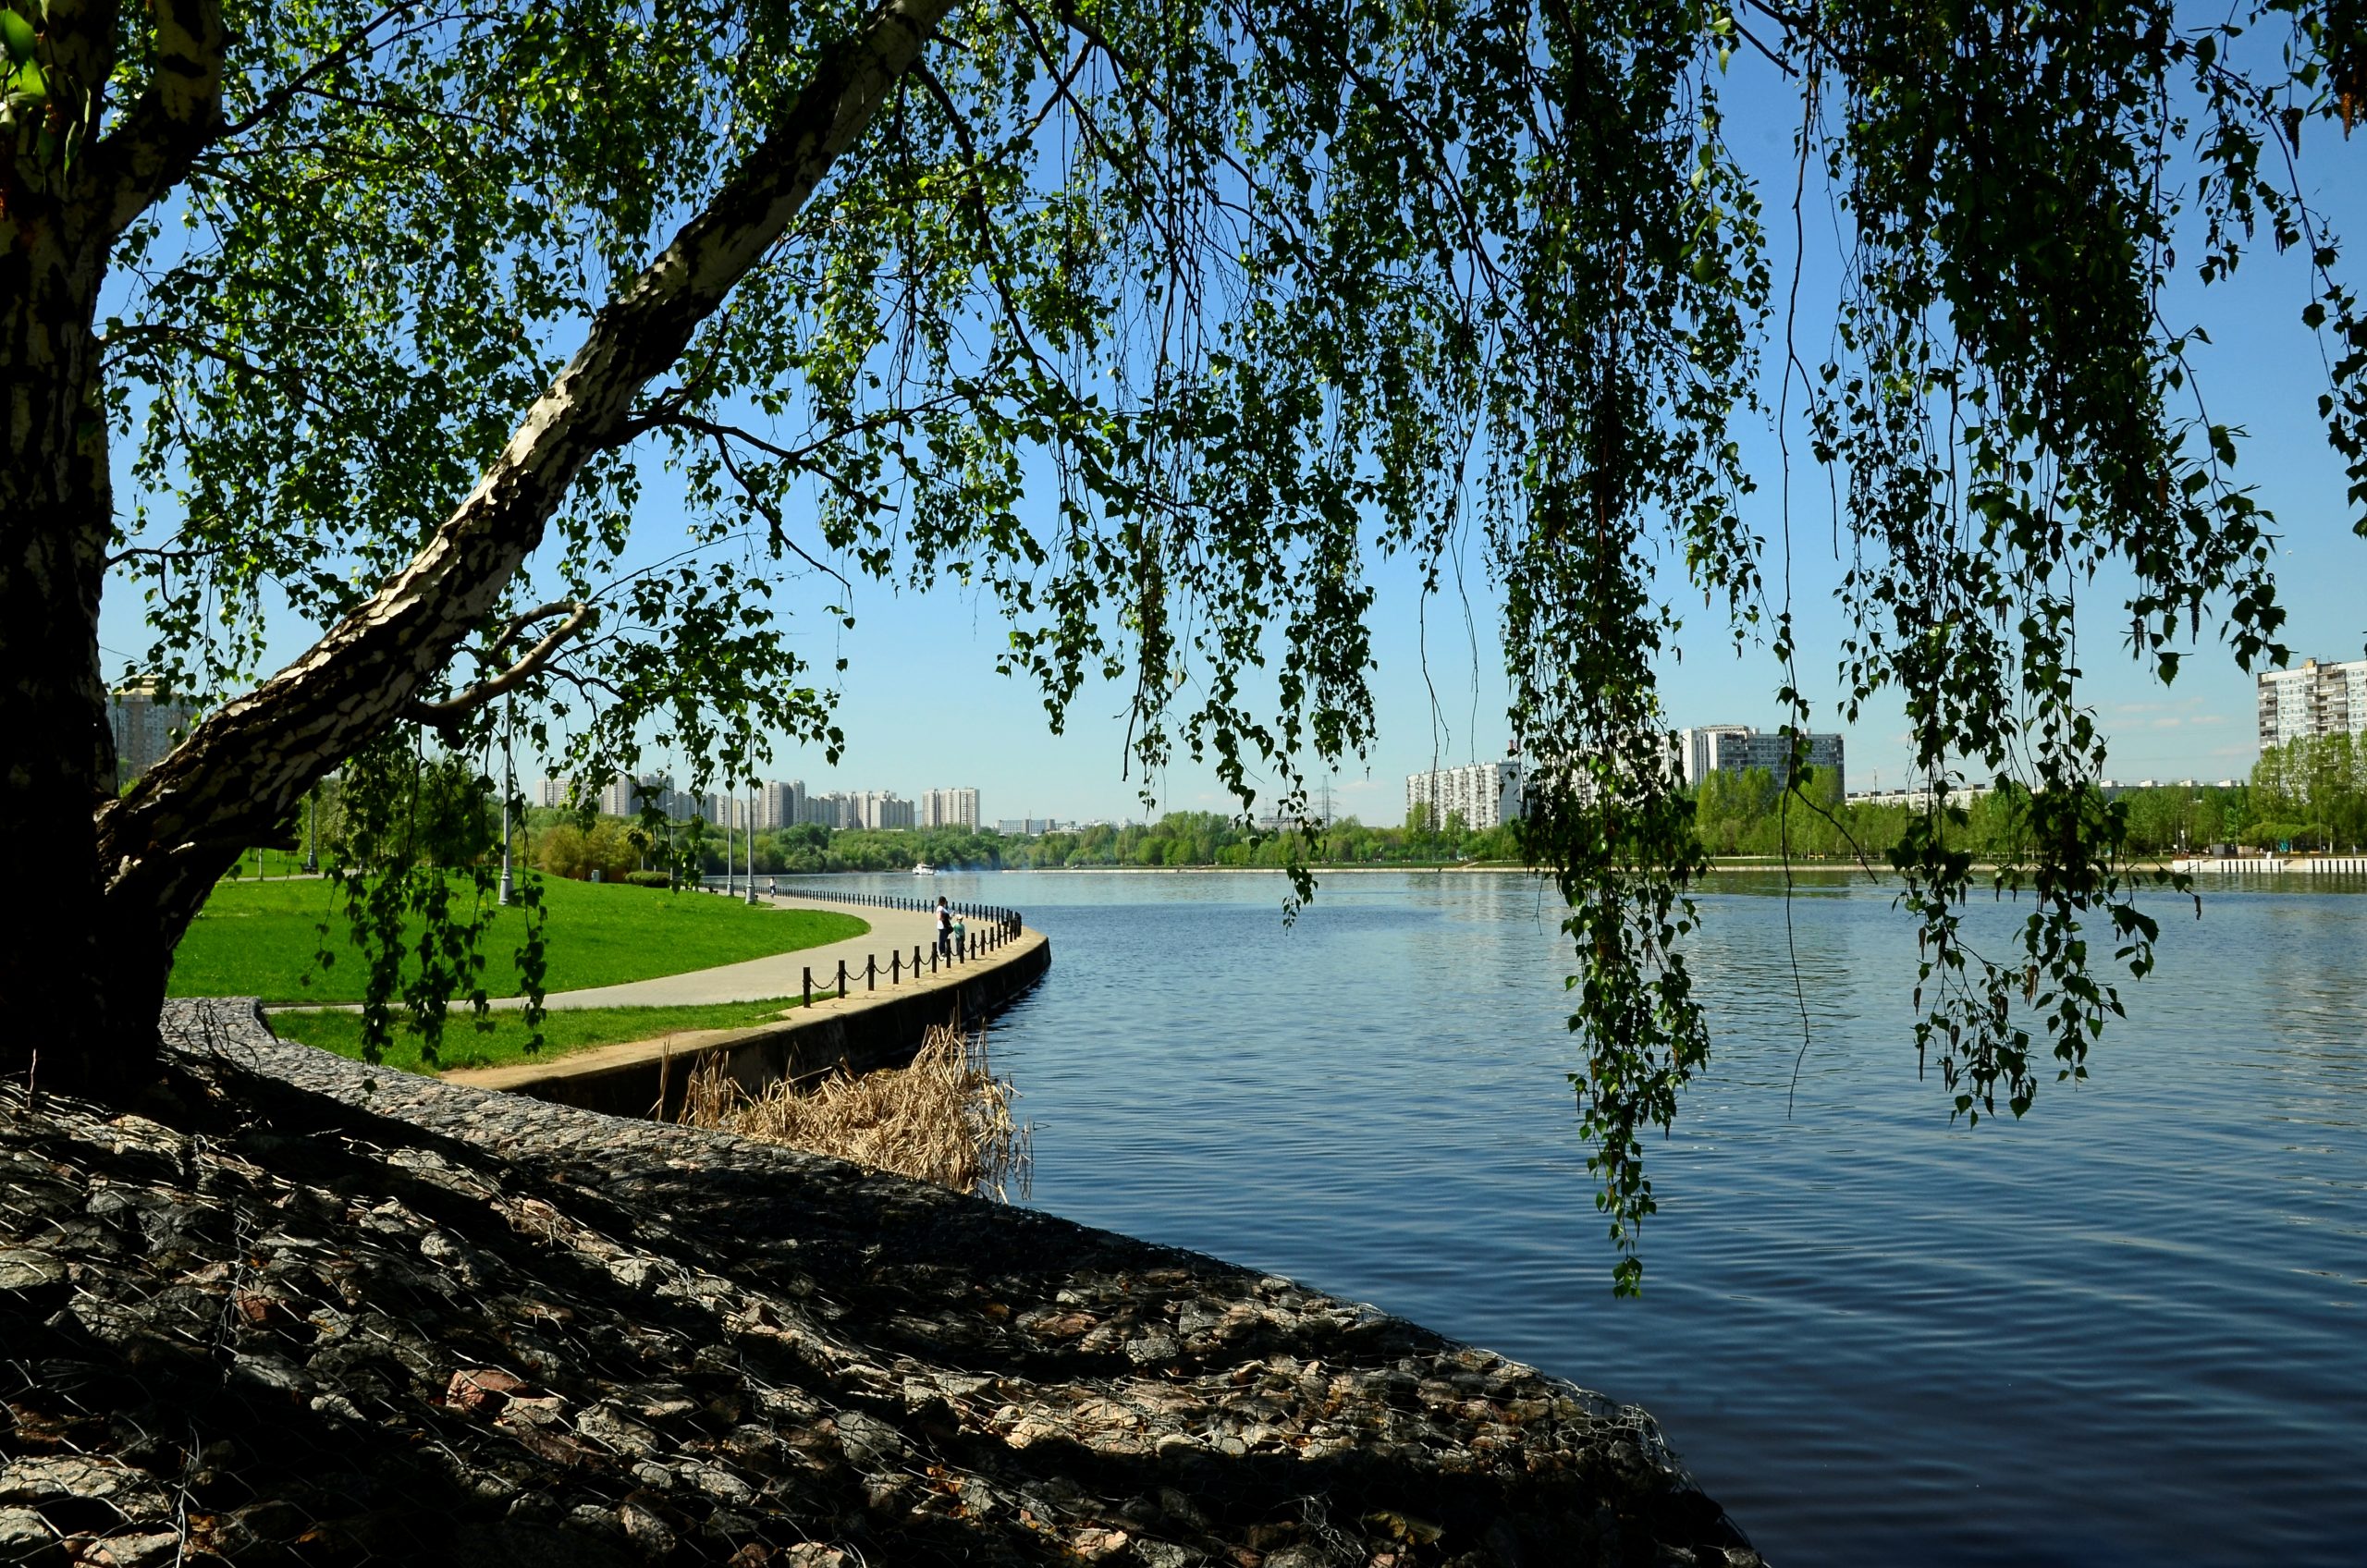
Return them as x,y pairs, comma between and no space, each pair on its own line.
312,1312
889,1005
894,932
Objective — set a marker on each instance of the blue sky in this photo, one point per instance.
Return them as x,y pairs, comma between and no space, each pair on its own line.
923,708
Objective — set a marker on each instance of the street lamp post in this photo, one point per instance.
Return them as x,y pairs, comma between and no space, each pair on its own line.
752,843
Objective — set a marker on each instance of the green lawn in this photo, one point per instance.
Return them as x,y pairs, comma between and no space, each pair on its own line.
258,938
570,1029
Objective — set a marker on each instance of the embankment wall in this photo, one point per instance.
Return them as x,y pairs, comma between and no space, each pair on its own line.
859,1032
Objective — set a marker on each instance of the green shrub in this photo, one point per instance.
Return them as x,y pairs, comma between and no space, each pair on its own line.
648,880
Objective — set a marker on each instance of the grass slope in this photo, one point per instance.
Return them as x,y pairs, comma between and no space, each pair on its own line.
258,938
504,1044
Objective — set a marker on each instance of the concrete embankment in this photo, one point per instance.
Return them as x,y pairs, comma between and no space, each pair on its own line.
879,1023
305,1311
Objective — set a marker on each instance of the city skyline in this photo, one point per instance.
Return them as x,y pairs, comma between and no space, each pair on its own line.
771,806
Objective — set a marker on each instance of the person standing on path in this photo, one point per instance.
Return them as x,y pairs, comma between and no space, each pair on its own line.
944,928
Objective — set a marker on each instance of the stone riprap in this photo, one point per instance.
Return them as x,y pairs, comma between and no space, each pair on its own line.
312,1312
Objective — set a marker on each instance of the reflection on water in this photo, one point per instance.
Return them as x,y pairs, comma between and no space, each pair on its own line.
2126,1331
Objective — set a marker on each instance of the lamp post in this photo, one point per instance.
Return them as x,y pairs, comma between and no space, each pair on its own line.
752,843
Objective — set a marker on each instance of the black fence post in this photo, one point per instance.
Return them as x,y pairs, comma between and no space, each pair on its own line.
895,966
871,971
809,985
842,977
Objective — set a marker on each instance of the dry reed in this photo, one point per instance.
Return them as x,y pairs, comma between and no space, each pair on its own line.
945,1119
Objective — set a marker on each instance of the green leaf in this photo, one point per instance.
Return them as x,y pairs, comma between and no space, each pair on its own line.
17,33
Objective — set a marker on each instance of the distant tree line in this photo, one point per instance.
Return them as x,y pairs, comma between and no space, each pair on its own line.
2307,795
1200,838
2312,794
567,845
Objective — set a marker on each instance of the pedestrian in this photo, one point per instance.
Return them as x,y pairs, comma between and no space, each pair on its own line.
944,928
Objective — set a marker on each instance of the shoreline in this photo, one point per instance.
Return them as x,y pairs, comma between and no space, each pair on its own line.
2240,867
558,1337
879,1026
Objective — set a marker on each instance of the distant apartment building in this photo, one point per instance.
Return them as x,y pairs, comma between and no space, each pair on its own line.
1920,797
1034,827
624,795
2317,699
1737,748
146,724
880,809
948,808
780,804
1484,794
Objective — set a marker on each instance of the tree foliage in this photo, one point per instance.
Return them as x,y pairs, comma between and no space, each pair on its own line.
1156,324
2309,794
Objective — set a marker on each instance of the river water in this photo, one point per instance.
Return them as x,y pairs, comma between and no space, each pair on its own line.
2129,1330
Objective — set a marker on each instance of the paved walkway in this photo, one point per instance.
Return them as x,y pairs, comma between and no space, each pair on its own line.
783,974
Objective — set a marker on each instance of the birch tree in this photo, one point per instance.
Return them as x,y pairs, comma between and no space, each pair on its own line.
1158,324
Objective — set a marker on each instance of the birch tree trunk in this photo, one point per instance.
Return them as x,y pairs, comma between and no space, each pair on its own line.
116,882
63,974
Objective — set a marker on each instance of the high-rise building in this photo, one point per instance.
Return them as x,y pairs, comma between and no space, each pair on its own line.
2317,699
780,805
1732,748
882,809
1484,794
948,808
146,724
617,796
624,795
1696,750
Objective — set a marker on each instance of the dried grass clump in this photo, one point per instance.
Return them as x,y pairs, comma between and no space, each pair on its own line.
945,1119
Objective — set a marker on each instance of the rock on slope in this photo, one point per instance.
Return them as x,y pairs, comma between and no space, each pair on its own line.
313,1313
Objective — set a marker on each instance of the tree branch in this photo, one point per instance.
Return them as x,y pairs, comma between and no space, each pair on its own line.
452,710
279,97
170,124
251,761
